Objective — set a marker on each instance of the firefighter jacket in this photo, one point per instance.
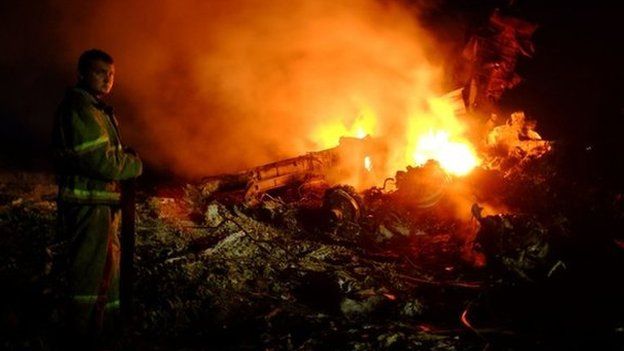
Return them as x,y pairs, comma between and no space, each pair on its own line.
89,157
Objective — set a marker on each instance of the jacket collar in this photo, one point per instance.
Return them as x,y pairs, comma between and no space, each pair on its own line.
92,99
82,91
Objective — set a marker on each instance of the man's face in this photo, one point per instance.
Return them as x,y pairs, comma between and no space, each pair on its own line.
99,78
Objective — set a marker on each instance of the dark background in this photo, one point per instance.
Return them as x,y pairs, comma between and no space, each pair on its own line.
574,86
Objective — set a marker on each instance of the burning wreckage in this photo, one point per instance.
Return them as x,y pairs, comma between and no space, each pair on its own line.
288,255
318,264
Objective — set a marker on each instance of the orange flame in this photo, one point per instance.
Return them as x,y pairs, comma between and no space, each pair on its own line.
455,157
438,134
328,135
434,132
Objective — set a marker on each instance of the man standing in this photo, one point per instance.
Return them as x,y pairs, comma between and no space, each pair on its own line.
90,162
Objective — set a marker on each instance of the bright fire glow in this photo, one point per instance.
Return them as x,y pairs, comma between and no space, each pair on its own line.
328,135
361,133
455,157
368,163
431,131
436,133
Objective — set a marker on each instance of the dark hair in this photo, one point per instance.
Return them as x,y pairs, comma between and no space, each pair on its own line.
87,57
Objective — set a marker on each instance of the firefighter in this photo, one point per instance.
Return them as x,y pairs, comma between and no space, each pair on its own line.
90,162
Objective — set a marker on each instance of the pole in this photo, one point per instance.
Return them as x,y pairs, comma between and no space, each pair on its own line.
128,217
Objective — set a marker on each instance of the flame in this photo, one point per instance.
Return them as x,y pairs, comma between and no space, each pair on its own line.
438,134
368,163
328,135
433,131
455,157
361,133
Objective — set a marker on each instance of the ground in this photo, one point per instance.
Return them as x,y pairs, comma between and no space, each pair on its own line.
213,274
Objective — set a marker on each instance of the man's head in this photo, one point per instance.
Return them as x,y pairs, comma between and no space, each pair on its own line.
96,71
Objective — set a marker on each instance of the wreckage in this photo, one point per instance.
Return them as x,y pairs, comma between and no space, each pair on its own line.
307,170
492,55
351,159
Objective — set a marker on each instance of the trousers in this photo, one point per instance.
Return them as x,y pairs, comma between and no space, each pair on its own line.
91,233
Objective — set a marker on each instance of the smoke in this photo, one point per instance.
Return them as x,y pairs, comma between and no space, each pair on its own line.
205,87
220,86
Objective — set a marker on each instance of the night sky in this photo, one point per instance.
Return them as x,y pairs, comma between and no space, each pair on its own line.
574,86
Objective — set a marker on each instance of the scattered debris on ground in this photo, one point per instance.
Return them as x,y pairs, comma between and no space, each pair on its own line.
340,269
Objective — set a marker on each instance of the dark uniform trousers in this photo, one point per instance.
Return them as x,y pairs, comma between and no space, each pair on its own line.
91,233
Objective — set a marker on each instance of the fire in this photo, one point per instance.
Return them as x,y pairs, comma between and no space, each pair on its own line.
368,163
433,131
455,157
328,135
437,133
361,133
